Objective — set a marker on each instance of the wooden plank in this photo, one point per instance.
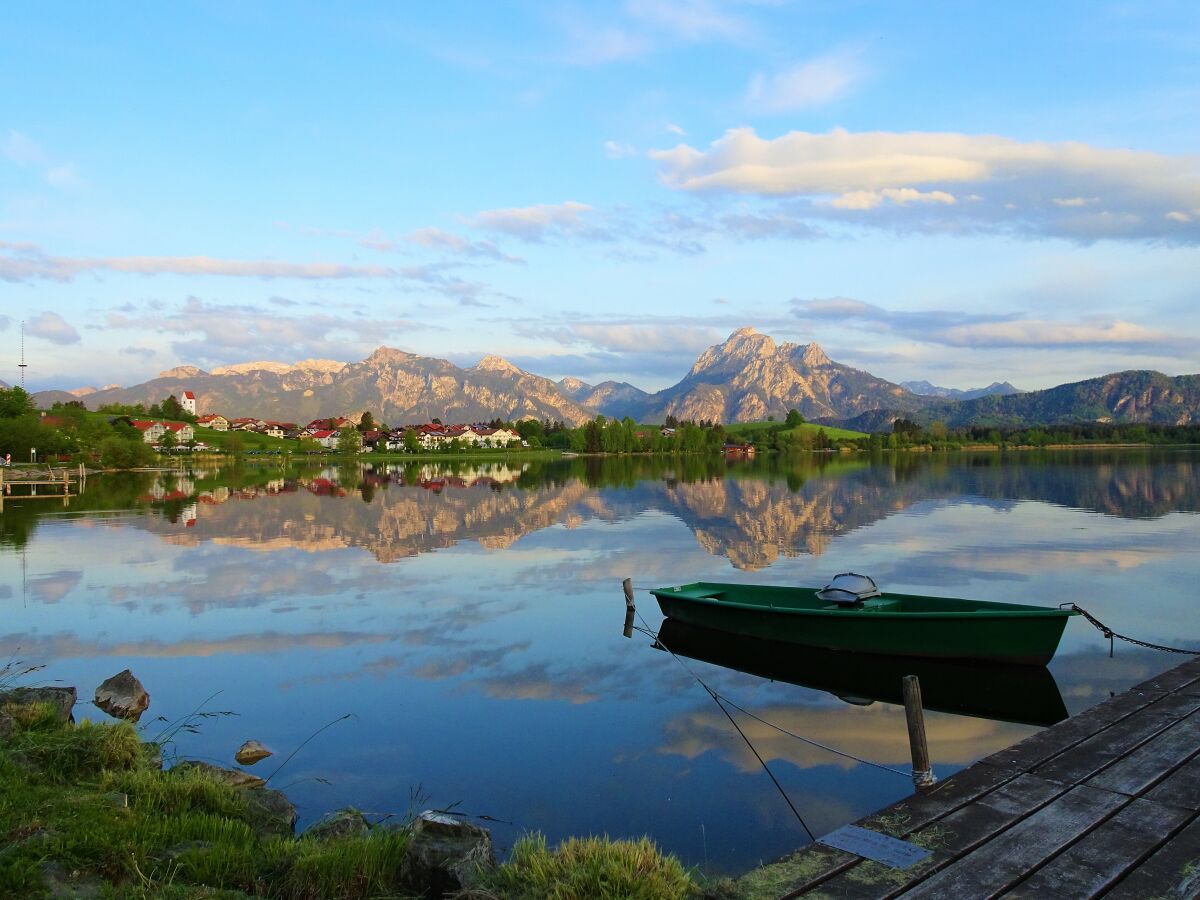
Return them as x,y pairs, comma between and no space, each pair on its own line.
1090,756
1182,788
949,838
1171,872
1044,745
1181,676
1103,856
806,868
1153,761
1010,856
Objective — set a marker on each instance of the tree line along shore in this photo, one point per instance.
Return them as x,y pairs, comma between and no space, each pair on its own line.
116,437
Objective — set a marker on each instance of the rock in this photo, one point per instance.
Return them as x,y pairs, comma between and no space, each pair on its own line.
62,699
117,799
62,882
123,696
271,813
6,725
232,777
347,822
444,854
251,752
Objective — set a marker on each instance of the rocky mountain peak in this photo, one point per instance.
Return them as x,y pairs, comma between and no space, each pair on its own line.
497,365
281,368
739,348
573,385
182,372
389,355
812,355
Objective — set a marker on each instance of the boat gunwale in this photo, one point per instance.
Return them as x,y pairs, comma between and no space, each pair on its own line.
1022,611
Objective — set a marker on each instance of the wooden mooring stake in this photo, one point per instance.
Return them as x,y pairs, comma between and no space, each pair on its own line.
630,608
922,773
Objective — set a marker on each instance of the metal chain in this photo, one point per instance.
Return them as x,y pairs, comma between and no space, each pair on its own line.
1110,634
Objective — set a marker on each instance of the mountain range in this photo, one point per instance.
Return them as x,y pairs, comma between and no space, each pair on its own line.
925,389
747,377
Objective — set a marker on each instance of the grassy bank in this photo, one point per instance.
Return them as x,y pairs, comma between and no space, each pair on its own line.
88,810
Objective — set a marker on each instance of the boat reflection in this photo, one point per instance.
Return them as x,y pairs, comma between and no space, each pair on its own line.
1026,695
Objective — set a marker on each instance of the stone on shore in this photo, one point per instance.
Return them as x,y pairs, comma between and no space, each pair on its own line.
341,823
444,854
60,699
271,813
232,777
123,696
251,752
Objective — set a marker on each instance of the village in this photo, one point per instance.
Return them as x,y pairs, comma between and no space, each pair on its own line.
334,433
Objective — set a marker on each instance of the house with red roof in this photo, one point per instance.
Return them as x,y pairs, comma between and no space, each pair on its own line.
188,402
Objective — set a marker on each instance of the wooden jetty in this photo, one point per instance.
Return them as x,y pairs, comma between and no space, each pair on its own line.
54,483
1106,803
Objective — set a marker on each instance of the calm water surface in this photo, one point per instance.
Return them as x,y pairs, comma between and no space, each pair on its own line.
469,617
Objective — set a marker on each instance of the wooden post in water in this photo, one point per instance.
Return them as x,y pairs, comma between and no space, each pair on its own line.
630,608
922,774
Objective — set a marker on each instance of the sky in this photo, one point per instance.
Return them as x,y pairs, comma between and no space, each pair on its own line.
954,192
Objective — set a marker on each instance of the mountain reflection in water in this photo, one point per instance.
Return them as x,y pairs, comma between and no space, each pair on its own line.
465,613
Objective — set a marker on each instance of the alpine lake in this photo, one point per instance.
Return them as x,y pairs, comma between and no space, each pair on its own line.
468,618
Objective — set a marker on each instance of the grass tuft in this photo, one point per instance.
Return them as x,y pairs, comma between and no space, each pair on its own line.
589,869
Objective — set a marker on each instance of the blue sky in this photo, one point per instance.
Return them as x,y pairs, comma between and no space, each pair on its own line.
958,192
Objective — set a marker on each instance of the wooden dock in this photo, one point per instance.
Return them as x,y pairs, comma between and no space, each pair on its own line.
1106,803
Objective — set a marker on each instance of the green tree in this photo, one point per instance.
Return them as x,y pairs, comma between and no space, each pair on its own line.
349,441
412,443
367,423
794,419
14,401
168,441
171,408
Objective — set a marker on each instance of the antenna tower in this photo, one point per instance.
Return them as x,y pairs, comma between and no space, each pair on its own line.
21,365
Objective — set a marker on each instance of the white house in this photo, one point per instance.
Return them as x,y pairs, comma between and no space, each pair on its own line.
188,402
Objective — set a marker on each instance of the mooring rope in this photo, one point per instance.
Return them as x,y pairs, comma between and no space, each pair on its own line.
1110,634
716,699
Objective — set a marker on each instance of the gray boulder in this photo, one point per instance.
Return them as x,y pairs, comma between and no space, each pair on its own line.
271,812
123,696
342,823
445,854
62,699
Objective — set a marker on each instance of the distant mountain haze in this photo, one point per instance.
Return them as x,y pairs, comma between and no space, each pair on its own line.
925,389
747,377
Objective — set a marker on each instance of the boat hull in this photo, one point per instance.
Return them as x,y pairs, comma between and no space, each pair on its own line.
961,630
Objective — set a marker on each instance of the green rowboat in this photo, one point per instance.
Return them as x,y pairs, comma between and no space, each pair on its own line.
873,622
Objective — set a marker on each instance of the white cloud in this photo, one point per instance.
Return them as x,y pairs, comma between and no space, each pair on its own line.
594,45
675,129
536,223
806,84
689,20
638,338
616,150
50,326
23,150
898,196
1071,190
65,177
213,333
1041,333
437,239
956,328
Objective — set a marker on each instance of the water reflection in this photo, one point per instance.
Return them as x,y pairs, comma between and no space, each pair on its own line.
466,615
1026,695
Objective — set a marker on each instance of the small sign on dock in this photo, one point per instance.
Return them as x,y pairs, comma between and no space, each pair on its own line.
881,848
